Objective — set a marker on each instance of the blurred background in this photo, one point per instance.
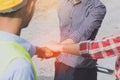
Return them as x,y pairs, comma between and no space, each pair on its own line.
45,27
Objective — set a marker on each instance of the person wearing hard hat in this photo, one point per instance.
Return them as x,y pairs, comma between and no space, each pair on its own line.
15,52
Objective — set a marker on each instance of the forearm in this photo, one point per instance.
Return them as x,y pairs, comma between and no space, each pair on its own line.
71,49
67,41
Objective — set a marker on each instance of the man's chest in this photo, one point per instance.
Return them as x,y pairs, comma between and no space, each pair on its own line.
68,11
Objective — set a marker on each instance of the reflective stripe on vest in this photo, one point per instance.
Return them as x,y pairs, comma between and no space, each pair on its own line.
10,51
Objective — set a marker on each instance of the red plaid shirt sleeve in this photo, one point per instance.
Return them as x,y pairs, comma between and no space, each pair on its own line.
106,47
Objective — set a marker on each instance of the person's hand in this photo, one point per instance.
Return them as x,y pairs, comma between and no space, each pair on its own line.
58,47
55,47
68,41
44,52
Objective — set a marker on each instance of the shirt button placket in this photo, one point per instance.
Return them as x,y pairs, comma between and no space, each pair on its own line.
71,17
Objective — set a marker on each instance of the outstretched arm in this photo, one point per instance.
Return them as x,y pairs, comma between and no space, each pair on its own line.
106,47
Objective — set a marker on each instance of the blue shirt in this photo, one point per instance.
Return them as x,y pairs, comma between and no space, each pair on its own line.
79,21
19,69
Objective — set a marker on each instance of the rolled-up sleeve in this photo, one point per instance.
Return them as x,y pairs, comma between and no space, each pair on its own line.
99,49
92,21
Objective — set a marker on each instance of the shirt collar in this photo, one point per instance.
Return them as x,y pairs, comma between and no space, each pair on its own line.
75,2
5,36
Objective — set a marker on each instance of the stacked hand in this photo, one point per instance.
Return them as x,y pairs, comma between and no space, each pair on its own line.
58,47
44,52
68,46
52,49
54,46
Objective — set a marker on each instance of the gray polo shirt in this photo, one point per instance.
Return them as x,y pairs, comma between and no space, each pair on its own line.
79,20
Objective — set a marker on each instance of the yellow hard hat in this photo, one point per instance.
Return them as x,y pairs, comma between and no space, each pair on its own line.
10,5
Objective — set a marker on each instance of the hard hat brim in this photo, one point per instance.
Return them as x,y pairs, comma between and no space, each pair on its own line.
12,5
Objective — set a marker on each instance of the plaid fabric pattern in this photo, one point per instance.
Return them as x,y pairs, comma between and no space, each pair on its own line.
107,47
